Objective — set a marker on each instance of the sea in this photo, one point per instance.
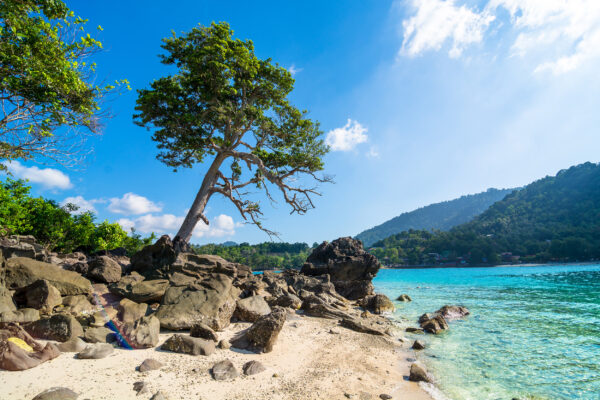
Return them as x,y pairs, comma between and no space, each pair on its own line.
533,332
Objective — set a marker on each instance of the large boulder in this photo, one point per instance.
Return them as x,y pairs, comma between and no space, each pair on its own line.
22,272
59,327
22,315
43,296
350,267
143,333
189,345
77,304
96,351
262,335
152,259
418,373
130,311
104,269
147,291
124,286
99,334
251,308
22,246
377,304
211,300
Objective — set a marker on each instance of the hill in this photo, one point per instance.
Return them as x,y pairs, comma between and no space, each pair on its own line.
556,218
439,216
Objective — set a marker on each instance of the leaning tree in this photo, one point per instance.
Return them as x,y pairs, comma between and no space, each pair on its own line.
229,108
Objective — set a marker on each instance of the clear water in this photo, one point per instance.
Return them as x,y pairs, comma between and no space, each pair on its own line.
533,332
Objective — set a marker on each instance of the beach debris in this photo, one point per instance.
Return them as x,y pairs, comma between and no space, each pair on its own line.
224,370
149,364
253,367
57,393
96,351
403,297
203,331
358,326
418,345
263,333
189,345
377,304
418,373
251,308
141,334
59,327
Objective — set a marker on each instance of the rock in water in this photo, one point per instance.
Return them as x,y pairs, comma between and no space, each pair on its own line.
150,364
418,373
350,267
253,368
418,345
104,269
57,393
377,304
130,311
189,345
59,327
453,312
261,336
42,296
200,330
96,351
435,325
404,297
143,333
224,370
22,272
211,301
251,308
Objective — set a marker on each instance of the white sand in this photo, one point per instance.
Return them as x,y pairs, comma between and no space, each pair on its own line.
309,363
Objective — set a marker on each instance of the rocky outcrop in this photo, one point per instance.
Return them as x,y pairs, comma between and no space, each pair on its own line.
350,267
104,269
59,327
435,324
418,345
76,305
151,260
211,300
189,345
262,335
22,272
251,308
377,304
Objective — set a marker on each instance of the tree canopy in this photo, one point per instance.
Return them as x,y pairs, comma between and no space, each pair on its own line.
226,105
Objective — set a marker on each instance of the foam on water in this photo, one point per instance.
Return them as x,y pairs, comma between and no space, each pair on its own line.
534,332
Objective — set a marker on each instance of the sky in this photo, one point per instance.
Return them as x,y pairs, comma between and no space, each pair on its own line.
421,101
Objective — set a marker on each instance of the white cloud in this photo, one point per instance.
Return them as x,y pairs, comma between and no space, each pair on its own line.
561,34
347,137
294,70
221,225
49,178
131,204
373,152
83,204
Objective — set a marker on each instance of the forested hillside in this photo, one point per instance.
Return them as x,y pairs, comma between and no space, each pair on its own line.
439,216
554,218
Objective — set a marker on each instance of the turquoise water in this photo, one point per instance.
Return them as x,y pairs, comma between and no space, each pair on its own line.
533,332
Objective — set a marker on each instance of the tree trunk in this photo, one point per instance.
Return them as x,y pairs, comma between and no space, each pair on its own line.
197,209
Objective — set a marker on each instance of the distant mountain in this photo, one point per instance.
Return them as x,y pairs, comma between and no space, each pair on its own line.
440,216
554,218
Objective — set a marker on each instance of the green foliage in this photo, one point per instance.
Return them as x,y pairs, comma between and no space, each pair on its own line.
553,219
59,228
268,255
440,216
45,82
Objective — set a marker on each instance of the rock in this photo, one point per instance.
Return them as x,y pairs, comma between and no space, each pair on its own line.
81,267
74,345
418,373
160,395
59,327
435,325
253,368
99,335
404,297
77,304
418,345
130,311
147,291
22,246
189,345
261,336
143,333
251,308
411,329
6,301
24,315
124,286
141,387
14,358
453,312
96,351
22,272
42,296
385,396
317,307
224,344
104,269
203,331
348,265
150,364
224,370
57,393
378,304
153,258
358,326
286,300
211,300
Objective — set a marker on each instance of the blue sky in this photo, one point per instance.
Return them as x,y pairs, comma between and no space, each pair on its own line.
421,100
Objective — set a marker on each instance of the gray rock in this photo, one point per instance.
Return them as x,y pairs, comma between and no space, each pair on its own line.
59,327
96,351
453,312
124,286
148,291
203,331
104,269
377,304
77,304
153,258
418,345
150,364
24,315
143,333
224,344
160,395
99,335
359,326
435,325
404,297
57,393
253,368
261,336
418,373
130,311
22,272
385,396
141,387
189,345
224,370
75,345
42,296
251,308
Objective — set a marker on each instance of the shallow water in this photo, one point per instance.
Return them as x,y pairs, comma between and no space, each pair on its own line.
533,332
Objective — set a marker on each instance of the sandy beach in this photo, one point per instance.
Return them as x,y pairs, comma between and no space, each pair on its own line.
308,362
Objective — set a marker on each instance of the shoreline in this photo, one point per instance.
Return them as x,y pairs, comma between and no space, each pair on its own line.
492,266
